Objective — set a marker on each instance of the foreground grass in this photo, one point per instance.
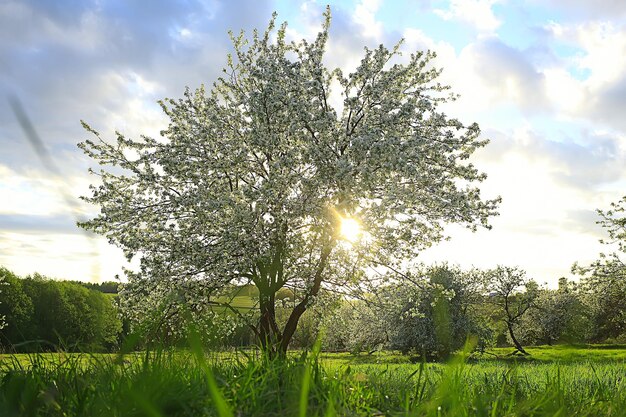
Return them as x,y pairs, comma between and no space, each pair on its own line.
192,384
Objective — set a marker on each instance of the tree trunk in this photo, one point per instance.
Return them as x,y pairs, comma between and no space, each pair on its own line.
517,344
300,308
291,325
269,334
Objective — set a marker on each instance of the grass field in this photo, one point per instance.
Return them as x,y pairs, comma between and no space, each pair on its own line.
556,381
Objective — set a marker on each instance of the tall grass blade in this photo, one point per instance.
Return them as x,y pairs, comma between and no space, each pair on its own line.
223,410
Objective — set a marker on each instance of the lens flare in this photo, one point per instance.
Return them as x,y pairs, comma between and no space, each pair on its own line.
350,229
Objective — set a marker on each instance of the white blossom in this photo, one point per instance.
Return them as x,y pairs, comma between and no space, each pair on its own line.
266,143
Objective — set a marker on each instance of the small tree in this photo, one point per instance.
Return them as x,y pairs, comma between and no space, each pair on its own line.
431,312
504,285
604,280
558,315
252,182
604,297
610,267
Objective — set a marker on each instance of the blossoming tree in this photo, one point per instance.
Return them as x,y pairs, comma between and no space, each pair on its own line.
263,180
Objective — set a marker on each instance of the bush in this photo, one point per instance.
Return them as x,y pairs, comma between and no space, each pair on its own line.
44,314
17,308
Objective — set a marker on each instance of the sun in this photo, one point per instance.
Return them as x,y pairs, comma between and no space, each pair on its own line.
350,229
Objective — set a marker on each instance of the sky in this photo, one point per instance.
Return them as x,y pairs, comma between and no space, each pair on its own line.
545,80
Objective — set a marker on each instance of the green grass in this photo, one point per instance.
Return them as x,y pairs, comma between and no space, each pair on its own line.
568,353
243,301
582,381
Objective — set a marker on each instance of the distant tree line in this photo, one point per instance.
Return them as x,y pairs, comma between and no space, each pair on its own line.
45,314
441,307
107,287
431,312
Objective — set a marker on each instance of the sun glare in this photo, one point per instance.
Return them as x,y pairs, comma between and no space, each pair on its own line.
350,229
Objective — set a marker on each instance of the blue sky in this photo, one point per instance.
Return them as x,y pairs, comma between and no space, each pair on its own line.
545,79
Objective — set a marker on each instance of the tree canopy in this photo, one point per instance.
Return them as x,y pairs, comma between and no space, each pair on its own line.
610,267
45,314
251,180
604,283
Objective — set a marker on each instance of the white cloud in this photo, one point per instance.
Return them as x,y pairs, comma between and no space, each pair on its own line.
605,52
65,256
601,53
489,73
29,193
580,165
586,9
563,90
417,40
365,16
545,224
545,257
602,49
476,13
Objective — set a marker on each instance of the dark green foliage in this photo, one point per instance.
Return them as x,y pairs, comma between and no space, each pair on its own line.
606,300
557,316
17,307
107,287
44,314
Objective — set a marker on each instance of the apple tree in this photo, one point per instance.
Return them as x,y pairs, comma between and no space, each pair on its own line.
514,294
603,284
273,180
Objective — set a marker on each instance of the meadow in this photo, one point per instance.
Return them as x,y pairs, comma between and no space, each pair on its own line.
555,381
